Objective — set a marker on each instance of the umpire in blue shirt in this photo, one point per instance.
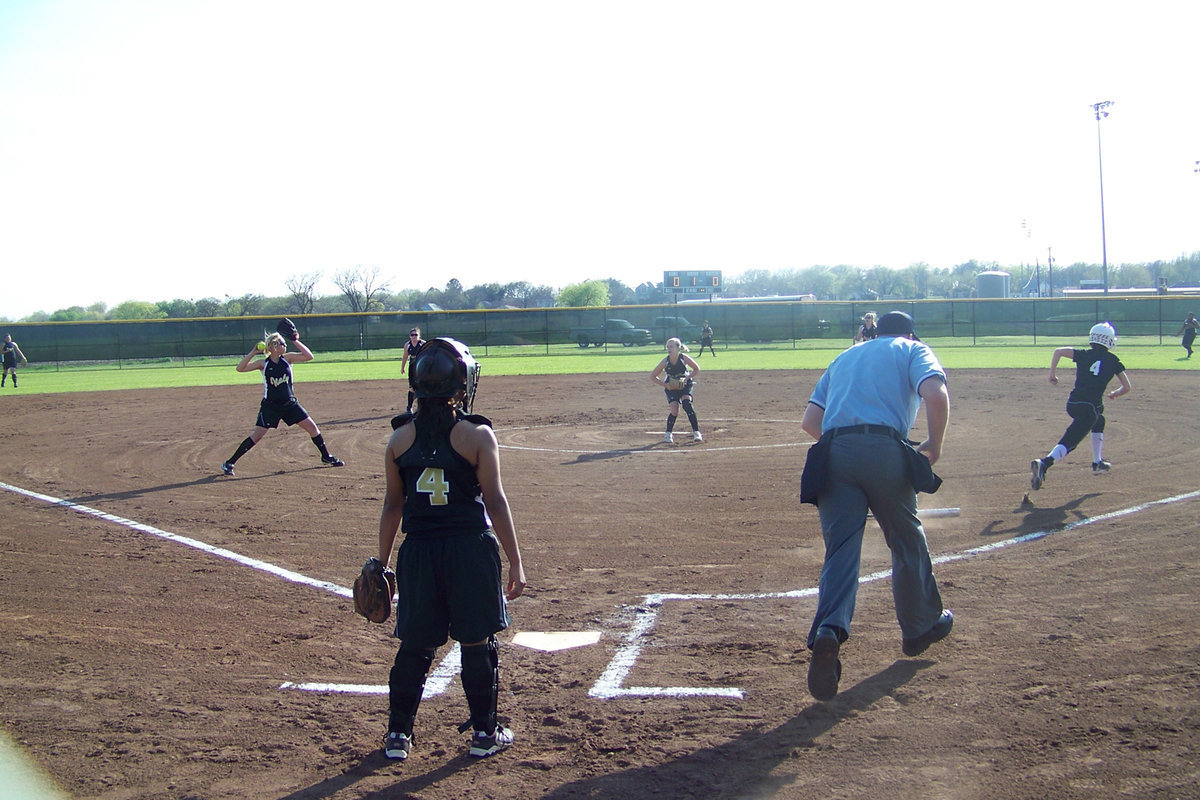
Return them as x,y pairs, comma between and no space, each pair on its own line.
860,412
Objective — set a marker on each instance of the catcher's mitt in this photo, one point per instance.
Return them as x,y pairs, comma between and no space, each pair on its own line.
373,591
288,330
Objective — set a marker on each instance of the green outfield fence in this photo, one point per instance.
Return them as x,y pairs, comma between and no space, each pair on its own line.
360,336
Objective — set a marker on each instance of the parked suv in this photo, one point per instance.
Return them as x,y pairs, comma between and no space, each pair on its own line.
663,328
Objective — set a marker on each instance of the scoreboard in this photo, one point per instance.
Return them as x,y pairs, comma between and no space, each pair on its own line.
691,281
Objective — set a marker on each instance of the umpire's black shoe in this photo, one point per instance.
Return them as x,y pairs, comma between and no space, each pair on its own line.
939,631
825,669
333,461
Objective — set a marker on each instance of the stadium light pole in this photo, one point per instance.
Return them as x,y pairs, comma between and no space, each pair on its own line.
1101,112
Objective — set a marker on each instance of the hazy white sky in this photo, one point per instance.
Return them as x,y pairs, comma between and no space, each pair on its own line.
154,149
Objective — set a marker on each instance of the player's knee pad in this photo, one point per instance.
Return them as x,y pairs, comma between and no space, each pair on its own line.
481,682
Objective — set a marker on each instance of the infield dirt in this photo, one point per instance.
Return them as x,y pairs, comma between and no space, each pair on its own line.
137,667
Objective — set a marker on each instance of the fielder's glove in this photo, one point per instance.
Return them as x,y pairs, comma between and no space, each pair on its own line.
676,384
373,591
288,330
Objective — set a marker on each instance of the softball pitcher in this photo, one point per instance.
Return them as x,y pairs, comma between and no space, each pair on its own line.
676,373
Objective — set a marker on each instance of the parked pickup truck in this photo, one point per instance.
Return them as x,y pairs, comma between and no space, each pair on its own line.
663,328
614,331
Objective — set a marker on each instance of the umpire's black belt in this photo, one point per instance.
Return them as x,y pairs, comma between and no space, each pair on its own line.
874,430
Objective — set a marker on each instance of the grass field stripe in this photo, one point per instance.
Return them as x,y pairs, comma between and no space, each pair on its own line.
609,684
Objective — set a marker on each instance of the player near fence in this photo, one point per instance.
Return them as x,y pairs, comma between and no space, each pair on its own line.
706,339
279,403
411,349
442,468
11,354
860,412
1188,332
867,330
676,373
1095,367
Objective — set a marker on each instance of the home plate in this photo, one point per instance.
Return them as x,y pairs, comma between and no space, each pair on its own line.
549,641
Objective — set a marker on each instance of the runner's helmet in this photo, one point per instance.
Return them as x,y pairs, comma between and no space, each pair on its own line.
1103,334
445,367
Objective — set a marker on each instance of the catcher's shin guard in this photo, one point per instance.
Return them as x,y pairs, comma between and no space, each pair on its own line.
481,683
405,685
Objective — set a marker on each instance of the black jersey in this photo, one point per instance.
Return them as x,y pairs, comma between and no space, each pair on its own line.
10,354
1094,368
442,495
277,381
677,369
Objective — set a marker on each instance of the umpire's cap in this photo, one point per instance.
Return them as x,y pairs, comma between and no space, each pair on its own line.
443,368
896,323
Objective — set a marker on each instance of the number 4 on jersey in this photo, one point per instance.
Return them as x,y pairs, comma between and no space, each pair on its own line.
433,483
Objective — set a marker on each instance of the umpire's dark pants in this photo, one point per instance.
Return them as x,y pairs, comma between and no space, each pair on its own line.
869,471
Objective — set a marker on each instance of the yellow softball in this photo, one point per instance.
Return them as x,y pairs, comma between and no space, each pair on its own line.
261,346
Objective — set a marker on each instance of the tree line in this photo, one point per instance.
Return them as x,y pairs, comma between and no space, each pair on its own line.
365,289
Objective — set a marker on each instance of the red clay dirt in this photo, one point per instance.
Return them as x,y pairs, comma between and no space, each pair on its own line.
136,666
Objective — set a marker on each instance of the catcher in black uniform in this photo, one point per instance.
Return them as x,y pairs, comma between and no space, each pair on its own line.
1095,367
279,404
443,488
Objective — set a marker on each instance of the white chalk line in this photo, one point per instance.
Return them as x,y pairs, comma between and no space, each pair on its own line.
609,684
655,451
221,552
438,680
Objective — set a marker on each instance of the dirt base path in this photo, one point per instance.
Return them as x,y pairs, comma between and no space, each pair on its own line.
133,665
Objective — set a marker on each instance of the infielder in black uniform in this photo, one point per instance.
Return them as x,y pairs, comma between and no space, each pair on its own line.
444,491
11,354
411,348
678,372
706,334
1094,368
1188,332
868,330
279,404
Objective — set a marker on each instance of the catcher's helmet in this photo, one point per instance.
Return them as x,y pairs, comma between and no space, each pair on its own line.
1103,334
443,368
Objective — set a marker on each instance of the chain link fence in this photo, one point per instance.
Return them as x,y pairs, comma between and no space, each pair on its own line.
491,332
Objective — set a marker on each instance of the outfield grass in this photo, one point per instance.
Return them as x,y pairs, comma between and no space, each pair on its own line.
1137,354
